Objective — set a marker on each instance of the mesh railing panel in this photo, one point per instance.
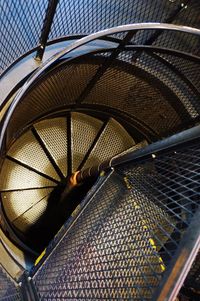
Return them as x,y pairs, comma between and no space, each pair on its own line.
21,21
135,87
189,99
126,237
171,180
71,17
189,69
20,27
8,289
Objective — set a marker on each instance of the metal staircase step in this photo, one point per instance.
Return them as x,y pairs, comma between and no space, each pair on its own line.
53,132
84,131
113,140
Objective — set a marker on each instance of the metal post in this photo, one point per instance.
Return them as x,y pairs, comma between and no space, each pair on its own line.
51,9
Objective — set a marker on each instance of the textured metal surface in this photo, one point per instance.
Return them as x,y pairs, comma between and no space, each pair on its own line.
16,177
8,288
127,235
110,255
165,95
21,23
84,131
188,16
26,149
134,93
188,98
57,90
20,27
70,15
53,132
113,140
32,215
19,205
25,198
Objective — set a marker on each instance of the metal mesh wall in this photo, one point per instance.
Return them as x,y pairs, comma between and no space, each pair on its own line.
20,28
70,15
124,240
139,87
8,289
21,21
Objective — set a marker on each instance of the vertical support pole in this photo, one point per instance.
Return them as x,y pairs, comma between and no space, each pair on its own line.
50,12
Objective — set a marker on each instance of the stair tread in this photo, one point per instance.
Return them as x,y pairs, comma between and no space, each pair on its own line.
18,177
28,151
84,131
17,203
53,132
113,140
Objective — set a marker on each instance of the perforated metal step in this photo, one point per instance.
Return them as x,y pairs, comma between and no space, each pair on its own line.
40,159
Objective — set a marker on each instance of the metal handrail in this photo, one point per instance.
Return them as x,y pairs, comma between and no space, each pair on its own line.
81,42
165,144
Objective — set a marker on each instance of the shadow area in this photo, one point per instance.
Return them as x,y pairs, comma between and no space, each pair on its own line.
58,210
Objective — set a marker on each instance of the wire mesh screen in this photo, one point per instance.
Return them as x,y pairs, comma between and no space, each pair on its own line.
124,240
8,289
21,21
20,27
146,89
71,17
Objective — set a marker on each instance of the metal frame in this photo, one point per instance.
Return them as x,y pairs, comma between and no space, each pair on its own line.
43,68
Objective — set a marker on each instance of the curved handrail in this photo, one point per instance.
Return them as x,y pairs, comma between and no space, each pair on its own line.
81,42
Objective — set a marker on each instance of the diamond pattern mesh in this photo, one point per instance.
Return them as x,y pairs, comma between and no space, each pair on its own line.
60,89
172,180
70,15
189,100
124,240
107,244
31,216
21,22
129,90
20,27
8,289
146,90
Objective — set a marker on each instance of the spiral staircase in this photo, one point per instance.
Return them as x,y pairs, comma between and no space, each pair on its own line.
106,93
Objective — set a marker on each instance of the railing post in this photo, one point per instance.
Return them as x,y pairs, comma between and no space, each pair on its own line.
51,9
